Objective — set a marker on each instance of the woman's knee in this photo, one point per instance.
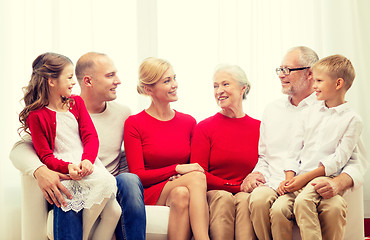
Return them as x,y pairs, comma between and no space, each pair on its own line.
198,180
179,198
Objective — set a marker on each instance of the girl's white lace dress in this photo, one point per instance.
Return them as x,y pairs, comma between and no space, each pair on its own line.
92,189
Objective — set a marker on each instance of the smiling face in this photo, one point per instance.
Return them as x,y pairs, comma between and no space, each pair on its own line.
227,91
65,82
325,86
296,82
165,90
104,79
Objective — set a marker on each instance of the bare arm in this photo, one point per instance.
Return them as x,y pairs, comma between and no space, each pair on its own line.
288,176
300,181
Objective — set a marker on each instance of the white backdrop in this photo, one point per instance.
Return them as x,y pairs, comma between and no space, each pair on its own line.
194,35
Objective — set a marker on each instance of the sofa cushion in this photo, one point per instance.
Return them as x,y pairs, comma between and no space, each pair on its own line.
156,222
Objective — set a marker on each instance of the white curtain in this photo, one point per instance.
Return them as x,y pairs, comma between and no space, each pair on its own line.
194,35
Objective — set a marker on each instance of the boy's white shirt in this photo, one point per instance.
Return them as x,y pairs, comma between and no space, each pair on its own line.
276,136
324,136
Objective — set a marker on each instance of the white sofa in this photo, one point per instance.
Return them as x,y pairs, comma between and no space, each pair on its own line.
36,226
37,222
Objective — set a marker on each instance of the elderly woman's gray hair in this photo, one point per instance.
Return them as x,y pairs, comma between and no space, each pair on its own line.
237,73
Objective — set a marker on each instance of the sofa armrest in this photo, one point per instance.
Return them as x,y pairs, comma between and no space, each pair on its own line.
34,210
355,214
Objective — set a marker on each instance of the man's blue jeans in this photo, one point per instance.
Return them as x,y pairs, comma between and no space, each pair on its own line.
131,199
68,225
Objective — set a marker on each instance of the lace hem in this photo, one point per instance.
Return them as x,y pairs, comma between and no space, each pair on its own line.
84,196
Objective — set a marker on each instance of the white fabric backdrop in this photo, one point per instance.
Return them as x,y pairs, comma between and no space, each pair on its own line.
193,35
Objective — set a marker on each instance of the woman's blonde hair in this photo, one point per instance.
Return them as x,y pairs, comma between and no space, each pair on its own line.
150,72
45,66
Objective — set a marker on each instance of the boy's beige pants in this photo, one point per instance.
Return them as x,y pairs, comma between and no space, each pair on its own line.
316,217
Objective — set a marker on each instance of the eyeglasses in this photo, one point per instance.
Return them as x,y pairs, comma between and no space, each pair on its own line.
286,71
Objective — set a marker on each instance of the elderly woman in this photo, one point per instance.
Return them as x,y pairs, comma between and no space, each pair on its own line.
157,144
226,147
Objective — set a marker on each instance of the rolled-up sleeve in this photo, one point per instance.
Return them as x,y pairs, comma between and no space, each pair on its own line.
357,165
345,149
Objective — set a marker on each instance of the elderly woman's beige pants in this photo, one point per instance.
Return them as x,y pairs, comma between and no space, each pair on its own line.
229,215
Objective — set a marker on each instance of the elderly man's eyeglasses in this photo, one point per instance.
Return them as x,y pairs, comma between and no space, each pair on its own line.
286,71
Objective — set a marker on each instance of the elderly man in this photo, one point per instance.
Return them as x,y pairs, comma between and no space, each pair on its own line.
98,80
275,137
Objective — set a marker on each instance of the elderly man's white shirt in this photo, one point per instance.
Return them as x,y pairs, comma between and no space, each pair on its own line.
325,136
276,134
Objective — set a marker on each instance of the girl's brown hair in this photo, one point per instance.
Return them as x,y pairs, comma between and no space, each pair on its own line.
45,66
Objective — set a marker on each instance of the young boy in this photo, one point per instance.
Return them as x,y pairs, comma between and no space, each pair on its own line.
325,139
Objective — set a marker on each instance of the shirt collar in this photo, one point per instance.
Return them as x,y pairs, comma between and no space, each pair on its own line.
308,101
338,109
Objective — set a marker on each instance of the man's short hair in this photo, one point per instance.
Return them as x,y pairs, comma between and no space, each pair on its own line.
337,66
85,63
307,56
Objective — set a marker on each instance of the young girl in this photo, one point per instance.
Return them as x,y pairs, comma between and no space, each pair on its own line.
66,141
